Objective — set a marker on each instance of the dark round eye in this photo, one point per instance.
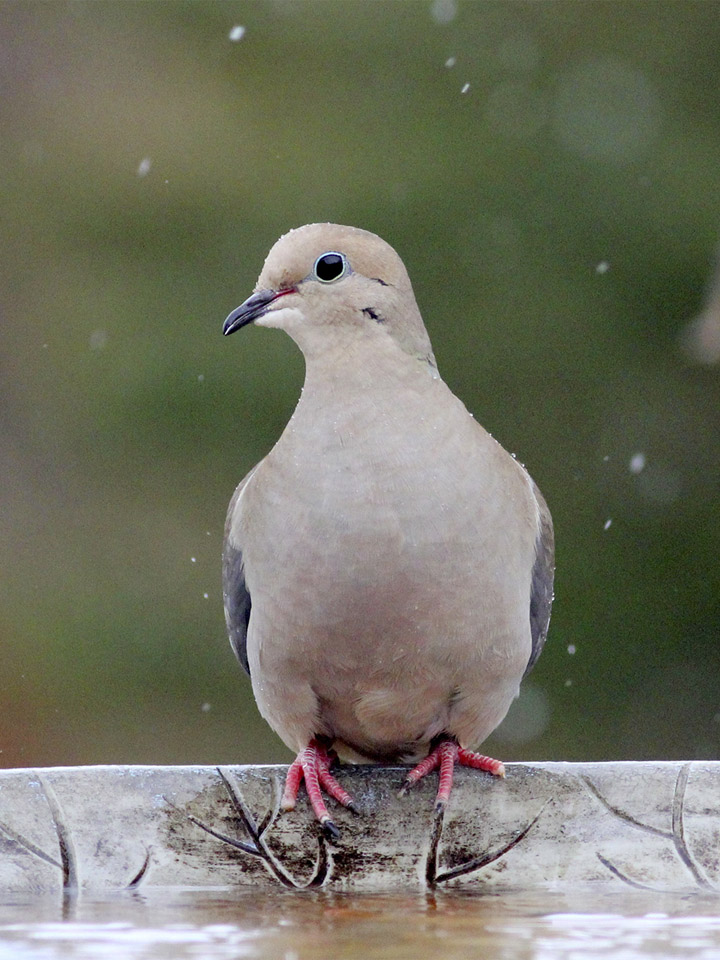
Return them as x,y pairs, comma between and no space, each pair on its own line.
330,266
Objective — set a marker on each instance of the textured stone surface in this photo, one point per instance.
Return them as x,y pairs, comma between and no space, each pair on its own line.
646,825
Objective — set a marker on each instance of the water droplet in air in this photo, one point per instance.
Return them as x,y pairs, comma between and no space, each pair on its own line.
98,339
443,11
237,33
637,463
606,109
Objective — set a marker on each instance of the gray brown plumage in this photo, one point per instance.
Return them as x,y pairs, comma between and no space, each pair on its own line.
387,567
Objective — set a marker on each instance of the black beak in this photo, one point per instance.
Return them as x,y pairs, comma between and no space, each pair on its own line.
254,307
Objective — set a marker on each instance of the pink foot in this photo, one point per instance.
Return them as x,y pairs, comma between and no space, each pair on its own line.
445,755
313,766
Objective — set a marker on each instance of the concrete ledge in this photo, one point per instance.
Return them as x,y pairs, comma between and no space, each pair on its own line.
654,826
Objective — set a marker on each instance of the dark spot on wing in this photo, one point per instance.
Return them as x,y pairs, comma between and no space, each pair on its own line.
381,282
236,596
373,314
541,592
237,603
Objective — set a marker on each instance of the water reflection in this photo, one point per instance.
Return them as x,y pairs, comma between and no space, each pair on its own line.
291,925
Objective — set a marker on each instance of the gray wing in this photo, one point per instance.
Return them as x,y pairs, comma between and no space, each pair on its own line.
235,593
541,591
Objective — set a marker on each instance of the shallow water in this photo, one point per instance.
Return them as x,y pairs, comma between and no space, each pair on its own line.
291,925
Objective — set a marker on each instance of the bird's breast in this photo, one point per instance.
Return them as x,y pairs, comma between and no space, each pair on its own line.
388,556
387,517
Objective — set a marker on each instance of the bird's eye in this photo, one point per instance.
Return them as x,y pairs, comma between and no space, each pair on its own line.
330,266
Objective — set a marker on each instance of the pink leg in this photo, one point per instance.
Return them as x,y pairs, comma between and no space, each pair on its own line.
448,753
445,755
313,766
292,784
466,758
431,761
330,785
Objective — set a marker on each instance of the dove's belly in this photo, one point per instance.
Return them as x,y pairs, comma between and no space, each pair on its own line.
399,606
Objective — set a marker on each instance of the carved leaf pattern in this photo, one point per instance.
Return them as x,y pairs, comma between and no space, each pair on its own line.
448,853
676,833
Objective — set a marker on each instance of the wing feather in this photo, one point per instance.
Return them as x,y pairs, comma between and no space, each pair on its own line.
541,591
236,596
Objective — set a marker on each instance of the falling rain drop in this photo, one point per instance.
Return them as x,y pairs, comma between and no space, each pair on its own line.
637,463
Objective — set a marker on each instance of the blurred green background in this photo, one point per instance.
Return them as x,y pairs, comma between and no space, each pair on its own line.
549,174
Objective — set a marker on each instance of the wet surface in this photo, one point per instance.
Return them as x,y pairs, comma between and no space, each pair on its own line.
292,925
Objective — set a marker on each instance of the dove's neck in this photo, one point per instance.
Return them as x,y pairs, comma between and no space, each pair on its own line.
362,395
365,368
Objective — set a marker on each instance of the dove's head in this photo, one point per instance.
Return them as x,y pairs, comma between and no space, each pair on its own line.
328,285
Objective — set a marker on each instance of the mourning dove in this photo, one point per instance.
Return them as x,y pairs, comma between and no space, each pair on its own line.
387,567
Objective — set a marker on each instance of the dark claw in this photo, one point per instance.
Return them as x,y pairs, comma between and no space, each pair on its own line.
353,808
330,830
440,809
404,788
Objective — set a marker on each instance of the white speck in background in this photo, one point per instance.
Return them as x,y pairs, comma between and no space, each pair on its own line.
205,708
602,267
637,463
450,62
607,524
571,649
201,377
606,109
98,339
465,88
237,33
192,559
528,718
443,11
144,167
